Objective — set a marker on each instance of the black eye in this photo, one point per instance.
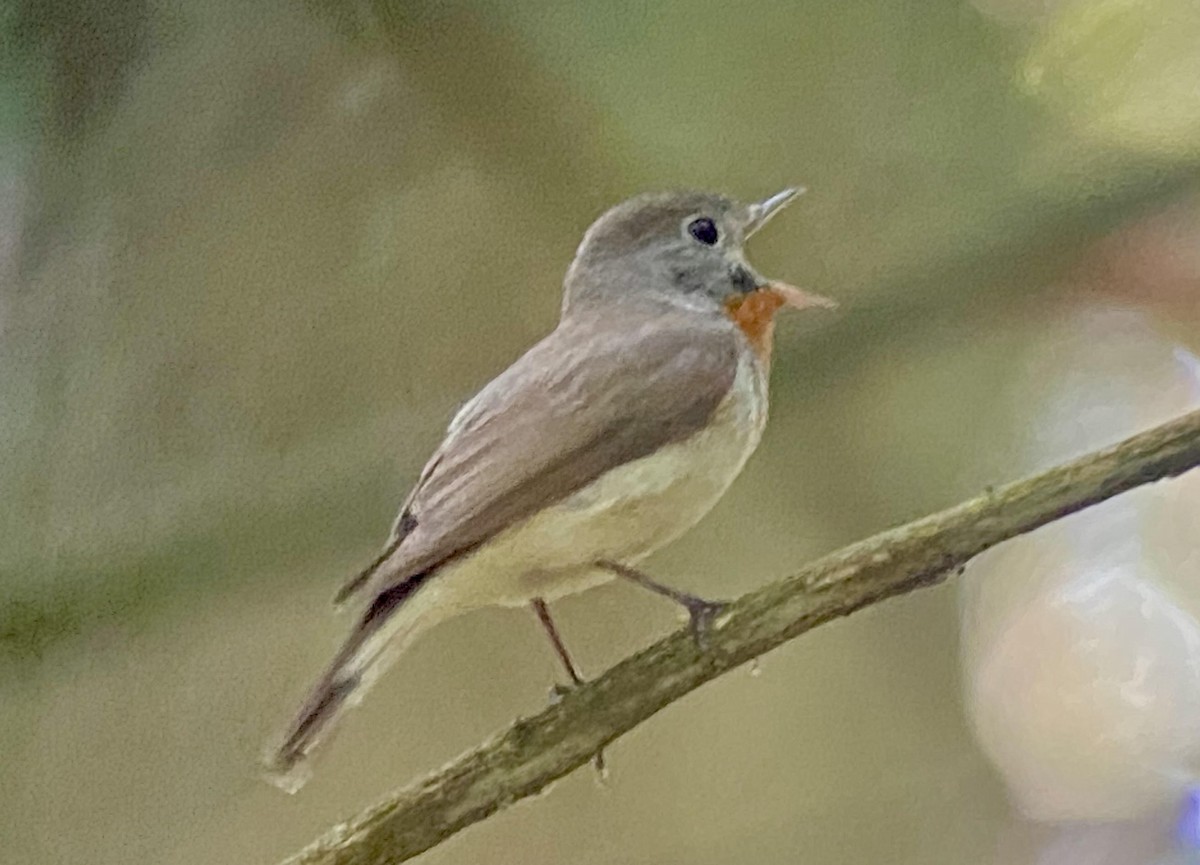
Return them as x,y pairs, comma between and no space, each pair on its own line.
703,230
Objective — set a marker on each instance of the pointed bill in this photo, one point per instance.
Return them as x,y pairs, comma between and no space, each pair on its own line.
798,298
761,213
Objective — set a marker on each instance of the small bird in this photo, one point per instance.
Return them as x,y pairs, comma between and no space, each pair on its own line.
605,441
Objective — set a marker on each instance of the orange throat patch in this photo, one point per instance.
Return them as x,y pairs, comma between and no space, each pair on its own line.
754,314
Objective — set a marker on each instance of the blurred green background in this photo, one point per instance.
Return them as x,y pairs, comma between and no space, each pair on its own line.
254,255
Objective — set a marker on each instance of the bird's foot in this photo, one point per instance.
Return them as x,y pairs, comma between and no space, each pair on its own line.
558,691
703,614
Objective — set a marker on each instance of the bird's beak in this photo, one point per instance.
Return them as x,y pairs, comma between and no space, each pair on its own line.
798,298
785,295
761,213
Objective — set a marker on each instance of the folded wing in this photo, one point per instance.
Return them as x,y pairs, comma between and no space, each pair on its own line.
595,394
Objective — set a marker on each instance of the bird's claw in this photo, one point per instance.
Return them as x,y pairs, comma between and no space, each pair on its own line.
703,614
558,691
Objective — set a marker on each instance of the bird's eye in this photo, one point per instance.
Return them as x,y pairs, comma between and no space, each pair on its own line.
704,230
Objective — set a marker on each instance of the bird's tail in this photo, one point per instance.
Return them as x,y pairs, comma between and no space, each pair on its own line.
385,629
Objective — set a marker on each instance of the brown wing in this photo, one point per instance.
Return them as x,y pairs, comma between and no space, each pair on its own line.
594,394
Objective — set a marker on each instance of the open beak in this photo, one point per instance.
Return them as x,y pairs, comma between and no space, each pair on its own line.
784,294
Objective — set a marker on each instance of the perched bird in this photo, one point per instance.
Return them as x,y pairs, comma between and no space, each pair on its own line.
608,439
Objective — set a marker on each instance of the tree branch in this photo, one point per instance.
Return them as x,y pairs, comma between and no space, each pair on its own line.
535,751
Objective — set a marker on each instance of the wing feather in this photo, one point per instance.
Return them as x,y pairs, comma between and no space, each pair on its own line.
596,393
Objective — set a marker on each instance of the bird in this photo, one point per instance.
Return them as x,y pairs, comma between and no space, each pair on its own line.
605,441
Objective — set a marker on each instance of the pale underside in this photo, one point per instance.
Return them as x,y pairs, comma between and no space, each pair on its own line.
624,515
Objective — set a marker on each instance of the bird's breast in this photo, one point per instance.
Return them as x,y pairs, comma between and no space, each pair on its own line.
634,509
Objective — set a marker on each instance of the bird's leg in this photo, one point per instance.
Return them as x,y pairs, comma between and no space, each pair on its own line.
560,648
702,612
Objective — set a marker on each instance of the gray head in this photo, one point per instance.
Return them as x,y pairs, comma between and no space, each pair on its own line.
684,243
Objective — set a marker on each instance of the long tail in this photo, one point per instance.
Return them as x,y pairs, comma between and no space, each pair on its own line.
385,629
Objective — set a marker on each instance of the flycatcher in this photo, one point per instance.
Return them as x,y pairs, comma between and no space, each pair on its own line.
608,439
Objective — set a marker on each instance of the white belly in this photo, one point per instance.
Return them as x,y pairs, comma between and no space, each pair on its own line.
624,515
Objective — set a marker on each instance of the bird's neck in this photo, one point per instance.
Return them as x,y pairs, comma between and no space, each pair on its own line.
754,314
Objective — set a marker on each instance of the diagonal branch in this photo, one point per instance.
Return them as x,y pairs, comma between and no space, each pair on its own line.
533,752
